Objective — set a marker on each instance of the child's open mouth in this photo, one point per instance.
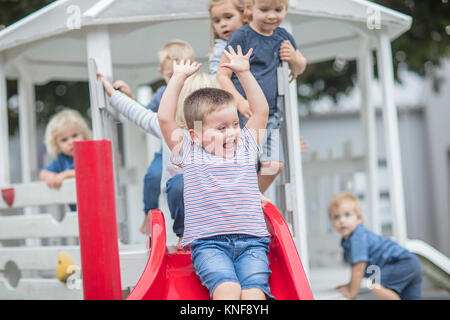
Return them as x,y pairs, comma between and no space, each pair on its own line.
229,145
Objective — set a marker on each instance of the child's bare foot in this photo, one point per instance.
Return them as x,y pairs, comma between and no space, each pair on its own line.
179,245
143,228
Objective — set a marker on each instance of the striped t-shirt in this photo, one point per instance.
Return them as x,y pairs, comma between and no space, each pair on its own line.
221,196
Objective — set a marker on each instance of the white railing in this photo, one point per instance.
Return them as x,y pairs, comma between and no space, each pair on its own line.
325,177
30,244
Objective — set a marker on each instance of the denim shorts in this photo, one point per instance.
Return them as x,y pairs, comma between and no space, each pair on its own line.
237,258
404,276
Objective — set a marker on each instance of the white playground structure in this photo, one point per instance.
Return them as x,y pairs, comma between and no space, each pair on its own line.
122,37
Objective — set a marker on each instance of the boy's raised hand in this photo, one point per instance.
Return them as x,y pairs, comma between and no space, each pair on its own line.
238,62
185,68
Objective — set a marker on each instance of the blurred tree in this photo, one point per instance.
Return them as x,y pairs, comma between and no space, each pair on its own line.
421,50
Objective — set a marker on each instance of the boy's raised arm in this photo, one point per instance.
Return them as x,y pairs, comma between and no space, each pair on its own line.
239,64
168,106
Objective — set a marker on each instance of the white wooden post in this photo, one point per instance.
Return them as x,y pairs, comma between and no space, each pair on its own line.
4,141
391,136
368,120
27,131
104,125
294,191
27,123
296,188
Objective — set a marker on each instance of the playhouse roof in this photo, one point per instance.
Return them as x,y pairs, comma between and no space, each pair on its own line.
51,43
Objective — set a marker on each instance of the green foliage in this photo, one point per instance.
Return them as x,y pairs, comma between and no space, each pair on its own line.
422,49
14,10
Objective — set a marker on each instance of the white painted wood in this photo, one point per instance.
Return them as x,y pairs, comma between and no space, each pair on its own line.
385,71
37,258
27,123
38,226
295,188
40,289
37,194
4,136
132,265
98,8
330,167
98,49
27,129
133,260
365,78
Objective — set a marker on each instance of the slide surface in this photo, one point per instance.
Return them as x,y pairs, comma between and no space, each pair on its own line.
436,266
169,274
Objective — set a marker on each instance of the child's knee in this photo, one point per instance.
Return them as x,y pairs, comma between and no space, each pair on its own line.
227,291
253,294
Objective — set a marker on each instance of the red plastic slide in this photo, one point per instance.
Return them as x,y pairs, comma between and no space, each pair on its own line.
169,274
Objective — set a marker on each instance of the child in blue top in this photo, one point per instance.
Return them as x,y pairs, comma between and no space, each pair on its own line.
398,270
271,45
61,132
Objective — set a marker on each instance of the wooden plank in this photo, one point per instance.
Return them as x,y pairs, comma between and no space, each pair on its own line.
132,264
4,142
41,289
329,167
133,260
37,194
37,258
38,226
392,139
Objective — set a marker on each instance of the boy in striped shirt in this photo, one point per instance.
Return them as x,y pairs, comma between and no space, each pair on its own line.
224,222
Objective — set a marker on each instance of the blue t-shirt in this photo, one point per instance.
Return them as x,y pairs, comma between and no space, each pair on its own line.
156,99
264,60
61,163
365,246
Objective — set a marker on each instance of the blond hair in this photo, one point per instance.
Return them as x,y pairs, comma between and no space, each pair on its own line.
251,3
239,5
341,197
196,81
61,121
175,50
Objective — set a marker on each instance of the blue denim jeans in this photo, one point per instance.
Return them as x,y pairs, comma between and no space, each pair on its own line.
152,183
175,201
236,258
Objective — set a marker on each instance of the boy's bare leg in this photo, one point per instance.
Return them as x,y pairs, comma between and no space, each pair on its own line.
269,171
383,293
143,228
227,291
179,246
253,294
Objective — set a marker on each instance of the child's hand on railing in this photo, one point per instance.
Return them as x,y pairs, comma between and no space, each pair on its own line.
123,87
106,84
